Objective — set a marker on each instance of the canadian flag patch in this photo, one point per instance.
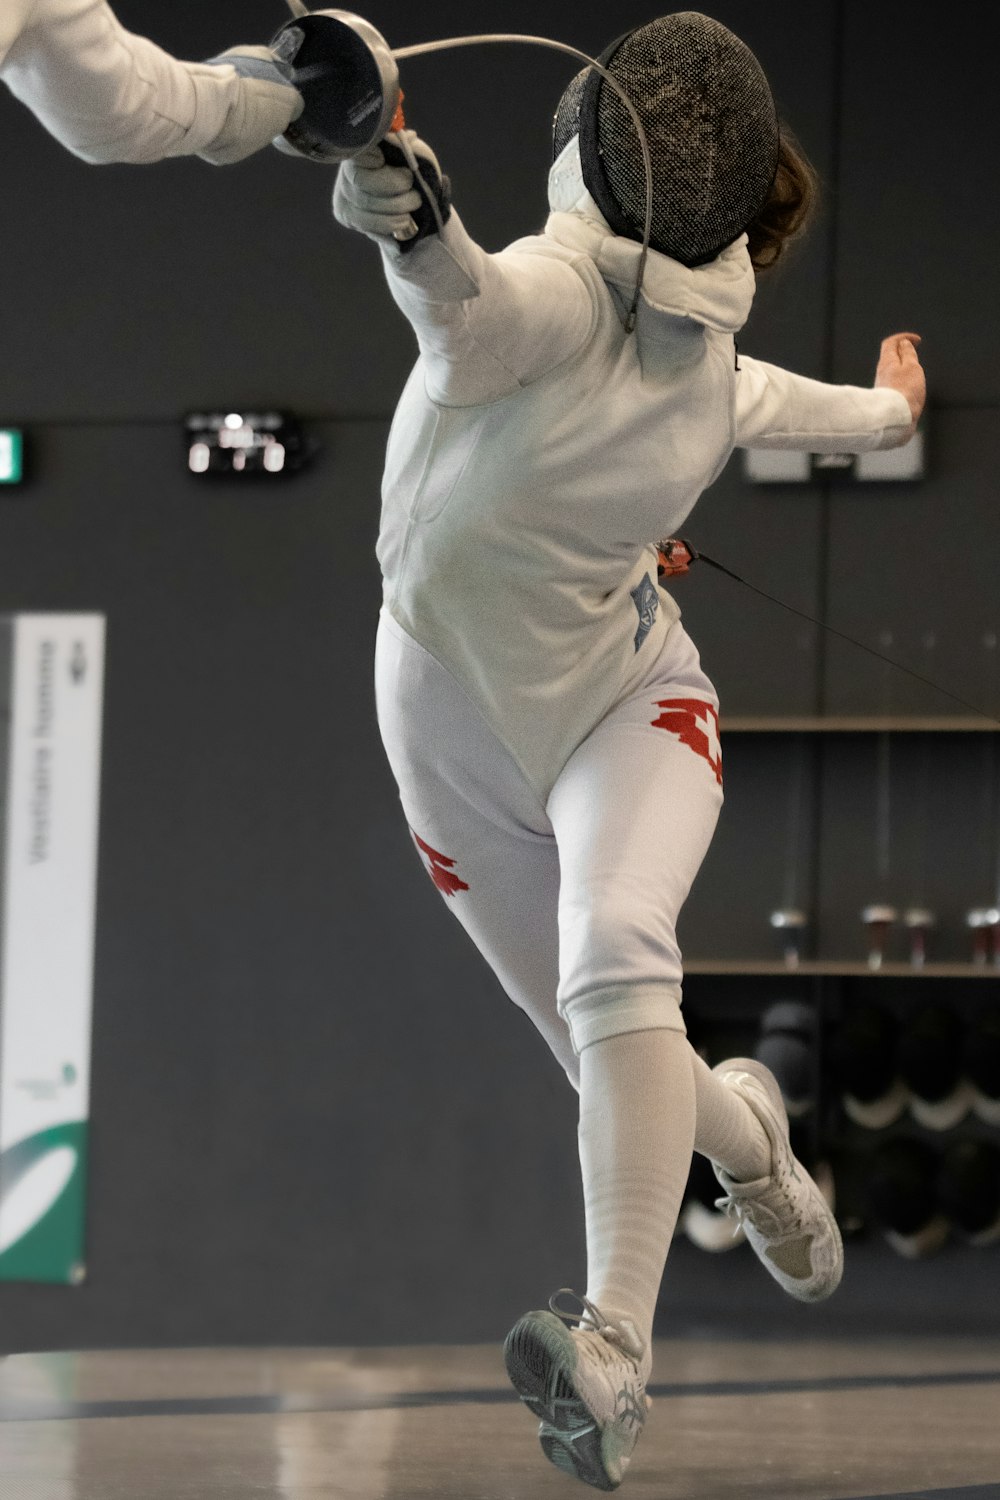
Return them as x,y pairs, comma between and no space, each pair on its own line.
696,724
440,868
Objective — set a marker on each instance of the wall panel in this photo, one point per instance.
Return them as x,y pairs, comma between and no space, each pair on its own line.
762,658
907,820
310,1097
917,217
763,855
299,1059
133,293
912,572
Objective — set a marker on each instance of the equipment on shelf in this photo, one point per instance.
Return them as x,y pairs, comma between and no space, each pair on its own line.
787,1045
865,1068
930,1058
704,1224
982,1066
968,1190
901,1198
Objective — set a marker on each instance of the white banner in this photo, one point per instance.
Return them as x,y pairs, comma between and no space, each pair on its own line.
53,671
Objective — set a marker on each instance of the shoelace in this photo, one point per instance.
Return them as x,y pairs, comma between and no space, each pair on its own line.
608,1342
588,1318
759,1212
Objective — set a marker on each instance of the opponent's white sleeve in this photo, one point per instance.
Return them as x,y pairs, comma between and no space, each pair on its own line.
776,409
110,96
488,324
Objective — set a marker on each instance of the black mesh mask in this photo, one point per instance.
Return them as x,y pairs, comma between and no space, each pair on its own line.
710,122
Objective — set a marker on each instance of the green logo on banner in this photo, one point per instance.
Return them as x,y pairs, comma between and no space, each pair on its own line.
43,1205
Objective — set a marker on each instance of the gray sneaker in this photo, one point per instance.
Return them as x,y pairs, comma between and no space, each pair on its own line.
587,1384
786,1217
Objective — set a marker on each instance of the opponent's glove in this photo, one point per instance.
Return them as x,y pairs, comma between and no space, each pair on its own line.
268,103
378,193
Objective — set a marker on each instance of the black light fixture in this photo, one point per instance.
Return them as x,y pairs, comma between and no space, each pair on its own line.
239,442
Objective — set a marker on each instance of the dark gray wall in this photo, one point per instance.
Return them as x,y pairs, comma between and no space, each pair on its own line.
315,1117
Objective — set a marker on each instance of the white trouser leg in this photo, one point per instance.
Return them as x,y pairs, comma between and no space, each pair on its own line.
467,800
581,896
634,810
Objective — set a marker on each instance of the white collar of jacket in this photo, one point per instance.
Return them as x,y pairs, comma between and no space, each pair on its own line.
719,294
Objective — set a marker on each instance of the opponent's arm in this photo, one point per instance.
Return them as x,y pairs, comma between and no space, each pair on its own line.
110,96
486,324
776,409
13,19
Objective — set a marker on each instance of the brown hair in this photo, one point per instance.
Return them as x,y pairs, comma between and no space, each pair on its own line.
789,205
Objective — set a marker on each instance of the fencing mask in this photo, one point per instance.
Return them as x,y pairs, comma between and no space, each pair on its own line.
712,129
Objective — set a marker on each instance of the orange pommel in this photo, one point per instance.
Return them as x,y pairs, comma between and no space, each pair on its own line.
398,119
673,557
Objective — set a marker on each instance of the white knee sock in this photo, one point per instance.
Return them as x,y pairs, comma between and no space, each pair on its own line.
727,1130
637,1109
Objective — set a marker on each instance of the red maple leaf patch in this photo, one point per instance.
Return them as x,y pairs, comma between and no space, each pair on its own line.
696,724
441,869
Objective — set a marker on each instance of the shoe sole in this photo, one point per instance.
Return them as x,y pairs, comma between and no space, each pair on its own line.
772,1088
535,1353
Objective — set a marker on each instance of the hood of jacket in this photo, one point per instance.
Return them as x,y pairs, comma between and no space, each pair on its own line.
718,295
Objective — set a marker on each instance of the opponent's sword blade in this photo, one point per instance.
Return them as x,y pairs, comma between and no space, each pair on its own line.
297,8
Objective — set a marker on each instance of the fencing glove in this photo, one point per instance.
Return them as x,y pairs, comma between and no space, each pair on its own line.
266,105
379,193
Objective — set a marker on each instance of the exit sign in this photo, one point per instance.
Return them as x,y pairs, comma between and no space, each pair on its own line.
11,455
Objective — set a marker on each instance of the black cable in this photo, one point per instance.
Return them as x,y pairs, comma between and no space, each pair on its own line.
841,635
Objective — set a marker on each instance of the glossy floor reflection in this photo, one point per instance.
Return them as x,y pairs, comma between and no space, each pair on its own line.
808,1421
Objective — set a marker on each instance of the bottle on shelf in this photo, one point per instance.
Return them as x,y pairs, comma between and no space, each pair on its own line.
984,924
918,922
879,921
790,924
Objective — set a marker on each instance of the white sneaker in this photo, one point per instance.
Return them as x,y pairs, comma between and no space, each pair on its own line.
587,1383
785,1217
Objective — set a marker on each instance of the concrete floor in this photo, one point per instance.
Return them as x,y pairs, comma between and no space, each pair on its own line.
786,1420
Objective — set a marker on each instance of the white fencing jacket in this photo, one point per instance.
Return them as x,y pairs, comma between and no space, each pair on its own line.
538,451
110,96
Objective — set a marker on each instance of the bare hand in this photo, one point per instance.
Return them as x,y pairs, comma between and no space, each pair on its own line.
899,368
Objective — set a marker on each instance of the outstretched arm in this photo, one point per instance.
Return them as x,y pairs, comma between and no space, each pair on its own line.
110,96
486,324
776,409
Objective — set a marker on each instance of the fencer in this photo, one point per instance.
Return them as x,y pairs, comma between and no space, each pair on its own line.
109,95
545,714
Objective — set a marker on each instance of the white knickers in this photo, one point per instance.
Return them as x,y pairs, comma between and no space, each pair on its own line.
573,902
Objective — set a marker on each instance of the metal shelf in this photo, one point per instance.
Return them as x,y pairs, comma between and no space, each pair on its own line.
833,968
